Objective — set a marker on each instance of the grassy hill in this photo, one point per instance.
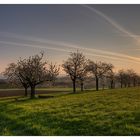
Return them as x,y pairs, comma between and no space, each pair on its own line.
108,112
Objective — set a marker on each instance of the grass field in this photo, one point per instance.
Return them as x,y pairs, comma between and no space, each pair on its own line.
108,112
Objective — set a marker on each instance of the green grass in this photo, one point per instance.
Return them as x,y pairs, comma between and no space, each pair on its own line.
108,112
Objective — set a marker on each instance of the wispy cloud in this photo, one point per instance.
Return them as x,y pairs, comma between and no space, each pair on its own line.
54,49
114,23
33,46
35,42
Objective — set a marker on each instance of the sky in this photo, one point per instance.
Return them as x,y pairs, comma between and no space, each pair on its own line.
108,33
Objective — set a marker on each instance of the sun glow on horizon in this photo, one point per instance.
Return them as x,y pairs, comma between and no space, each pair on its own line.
90,35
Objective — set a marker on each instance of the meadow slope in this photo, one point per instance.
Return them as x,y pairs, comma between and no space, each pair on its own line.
108,112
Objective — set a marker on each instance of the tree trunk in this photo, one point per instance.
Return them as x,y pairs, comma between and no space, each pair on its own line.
32,91
121,84
82,86
26,92
114,85
103,84
103,87
111,84
134,83
125,85
74,86
128,84
97,83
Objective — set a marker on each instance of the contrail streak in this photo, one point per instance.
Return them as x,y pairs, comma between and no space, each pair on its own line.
88,51
32,46
103,55
113,23
52,48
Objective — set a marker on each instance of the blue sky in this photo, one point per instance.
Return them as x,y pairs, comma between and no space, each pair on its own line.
109,33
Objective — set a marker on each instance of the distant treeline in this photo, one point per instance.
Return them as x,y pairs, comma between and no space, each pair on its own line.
81,72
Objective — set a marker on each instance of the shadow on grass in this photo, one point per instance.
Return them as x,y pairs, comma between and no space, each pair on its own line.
20,122
13,126
43,94
74,126
62,127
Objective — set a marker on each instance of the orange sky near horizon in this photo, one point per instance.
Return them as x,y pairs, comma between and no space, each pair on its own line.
108,33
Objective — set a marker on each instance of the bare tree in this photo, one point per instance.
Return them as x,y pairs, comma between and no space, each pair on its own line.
135,79
83,74
123,78
132,77
13,75
103,81
138,80
98,69
34,71
120,77
53,72
127,78
111,77
74,67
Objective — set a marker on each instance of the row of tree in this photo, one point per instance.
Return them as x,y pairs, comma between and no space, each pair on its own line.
34,70
79,68
31,72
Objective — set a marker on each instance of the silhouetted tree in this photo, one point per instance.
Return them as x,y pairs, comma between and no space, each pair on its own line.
135,79
103,81
120,77
127,78
131,77
110,75
98,69
13,75
138,80
74,66
82,74
34,71
53,72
